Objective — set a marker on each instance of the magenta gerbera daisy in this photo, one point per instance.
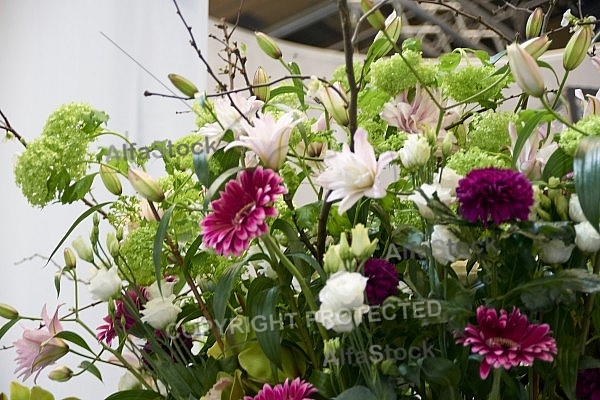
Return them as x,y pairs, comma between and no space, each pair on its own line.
507,341
294,390
496,194
239,214
383,280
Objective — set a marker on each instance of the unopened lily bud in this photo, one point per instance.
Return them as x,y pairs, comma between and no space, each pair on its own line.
82,249
50,351
261,80
70,260
8,312
206,284
393,27
525,70
184,85
268,45
537,46
376,18
577,47
334,100
145,185
534,23
111,180
60,374
545,202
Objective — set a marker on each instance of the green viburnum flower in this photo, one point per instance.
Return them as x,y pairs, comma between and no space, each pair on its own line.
569,140
203,113
475,158
60,155
463,83
393,75
137,250
489,130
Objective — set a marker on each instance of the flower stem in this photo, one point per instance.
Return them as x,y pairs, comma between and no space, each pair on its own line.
495,393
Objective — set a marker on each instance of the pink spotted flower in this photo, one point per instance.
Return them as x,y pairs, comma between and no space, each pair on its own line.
239,214
508,340
294,390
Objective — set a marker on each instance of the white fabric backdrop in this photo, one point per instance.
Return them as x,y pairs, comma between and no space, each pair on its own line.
53,53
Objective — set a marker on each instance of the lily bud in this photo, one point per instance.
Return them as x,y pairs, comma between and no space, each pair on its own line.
448,144
8,312
593,105
334,100
577,47
268,45
111,180
534,23
393,27
183,85
83,250
376,18
263,91
525,70
145,185
60,374
50,351
537,46
70,260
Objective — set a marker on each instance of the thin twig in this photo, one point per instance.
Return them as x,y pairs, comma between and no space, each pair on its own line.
344,12
364,17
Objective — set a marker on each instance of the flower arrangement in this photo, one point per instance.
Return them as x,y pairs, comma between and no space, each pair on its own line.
394,232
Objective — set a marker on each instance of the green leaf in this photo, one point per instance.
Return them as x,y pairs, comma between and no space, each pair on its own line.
201,168
218,184
161,233
567,361
74,338
283,90
191,251
441,371
6,327
559,164
78,190
449,61
586,168
532,119
356,393
310,261
90,367
83,216
224,288
135,395
262,301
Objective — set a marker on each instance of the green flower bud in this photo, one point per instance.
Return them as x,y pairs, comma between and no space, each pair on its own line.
389,367
376,18
82,249
362,247
145,185
534,23
70,260
111,180
112,244
448,144
183,85
268,45
544,215
562,207
345,252
332,262
8,312
120,234
537,46
60,374
577,47
545,202
261,78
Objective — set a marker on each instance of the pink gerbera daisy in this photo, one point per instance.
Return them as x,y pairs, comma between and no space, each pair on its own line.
239,214
294,390
507,341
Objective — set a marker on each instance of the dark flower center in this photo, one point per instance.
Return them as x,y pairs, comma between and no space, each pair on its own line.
239,216
504,342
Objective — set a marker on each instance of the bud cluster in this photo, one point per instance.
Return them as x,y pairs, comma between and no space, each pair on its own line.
346,257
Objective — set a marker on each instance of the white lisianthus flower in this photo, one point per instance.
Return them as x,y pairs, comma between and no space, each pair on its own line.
352,175
446,247
128,381
342,301
555,251
160,312
268,138
587,238
444,194
575,211
415,152
104,283
449,180
154,293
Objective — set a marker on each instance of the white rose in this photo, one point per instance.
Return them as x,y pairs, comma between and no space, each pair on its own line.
575,211
105,283
160,312
415,152
449,180
342,301
587,238
446,247
166,287
555,251
421,203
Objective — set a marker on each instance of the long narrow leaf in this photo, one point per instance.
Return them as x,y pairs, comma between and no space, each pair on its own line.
223,290
158,243
586,168
525,131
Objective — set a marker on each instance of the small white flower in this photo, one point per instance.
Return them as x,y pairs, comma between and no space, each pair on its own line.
415,152
444,194
555,251
575,211
342,301
587,238
567,18
352,175
446,247
83,250
160,312
229,117
105,283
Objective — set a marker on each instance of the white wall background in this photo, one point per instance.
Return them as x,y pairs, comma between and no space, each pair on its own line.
53,53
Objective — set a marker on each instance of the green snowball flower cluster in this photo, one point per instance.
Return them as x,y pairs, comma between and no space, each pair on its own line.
137,250
465,83
60,155
393,75
569,140
489,130
204,113
475,158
